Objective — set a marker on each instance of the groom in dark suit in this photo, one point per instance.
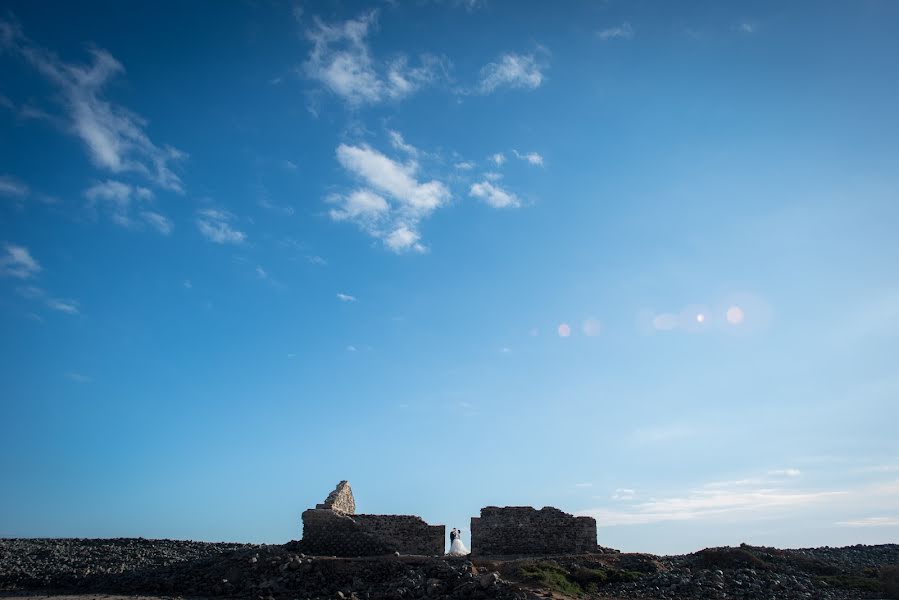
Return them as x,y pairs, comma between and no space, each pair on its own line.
452,536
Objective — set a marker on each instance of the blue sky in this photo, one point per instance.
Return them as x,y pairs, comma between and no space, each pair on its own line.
636,260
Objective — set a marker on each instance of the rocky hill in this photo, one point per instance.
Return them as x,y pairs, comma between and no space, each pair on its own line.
179,568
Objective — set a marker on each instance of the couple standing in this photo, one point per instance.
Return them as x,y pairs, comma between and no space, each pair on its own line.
457,548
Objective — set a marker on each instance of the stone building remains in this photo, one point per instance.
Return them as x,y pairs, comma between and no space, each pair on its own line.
334,528
522,530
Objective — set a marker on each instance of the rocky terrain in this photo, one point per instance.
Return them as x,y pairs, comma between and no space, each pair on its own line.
192,569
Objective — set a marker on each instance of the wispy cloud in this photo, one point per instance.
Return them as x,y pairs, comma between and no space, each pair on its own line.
494,195
498,159
749,499
393,201
79,378
397,141
16,261
345,297
115,137
215,226
70,307
157,221
117,199
619,32
342,61
514,71
746,27
871,522
710,503
10,187
530,157
465,165
624,494
785,472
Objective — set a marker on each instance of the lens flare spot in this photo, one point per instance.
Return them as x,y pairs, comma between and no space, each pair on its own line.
564,330
735,315
700,318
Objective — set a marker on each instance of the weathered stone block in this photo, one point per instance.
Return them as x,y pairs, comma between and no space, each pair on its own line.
341,499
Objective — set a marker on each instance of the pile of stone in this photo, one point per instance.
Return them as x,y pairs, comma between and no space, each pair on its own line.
72,563
260,572
751,573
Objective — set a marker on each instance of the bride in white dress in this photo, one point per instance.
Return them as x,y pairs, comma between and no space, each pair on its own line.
457,548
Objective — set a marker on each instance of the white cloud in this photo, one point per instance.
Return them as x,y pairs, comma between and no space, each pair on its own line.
513,71
12,187
623,32
16,261
493,176
115,137
710,503
345,297
70,307
499,159
162,224
751,499
351,348
215,226
494,195
746,27
402,238
394,216
342,61
361,205
396,179
261,273
531,157
465,165
397,141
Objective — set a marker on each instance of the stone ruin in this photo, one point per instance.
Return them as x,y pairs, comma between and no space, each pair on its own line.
333,528
522,530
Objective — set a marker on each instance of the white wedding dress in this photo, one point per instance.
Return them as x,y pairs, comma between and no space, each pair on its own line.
458,548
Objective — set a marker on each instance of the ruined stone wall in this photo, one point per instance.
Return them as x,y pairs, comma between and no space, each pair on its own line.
329,533
409,534
522,530
332,528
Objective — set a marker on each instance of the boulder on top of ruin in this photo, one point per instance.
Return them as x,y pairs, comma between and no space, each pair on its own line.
340,500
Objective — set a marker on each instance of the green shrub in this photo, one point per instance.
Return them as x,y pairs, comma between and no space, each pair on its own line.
552,577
